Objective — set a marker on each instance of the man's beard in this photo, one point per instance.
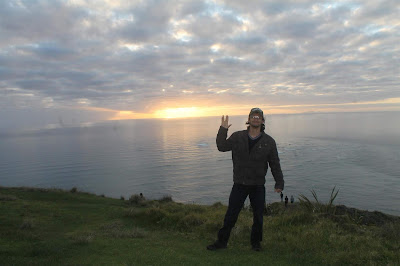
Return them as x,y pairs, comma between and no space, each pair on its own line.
255,126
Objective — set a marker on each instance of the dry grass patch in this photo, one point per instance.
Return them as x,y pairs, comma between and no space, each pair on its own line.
116,229
82,238
6,197
27,224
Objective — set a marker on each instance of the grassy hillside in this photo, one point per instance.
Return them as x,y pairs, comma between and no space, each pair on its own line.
55,227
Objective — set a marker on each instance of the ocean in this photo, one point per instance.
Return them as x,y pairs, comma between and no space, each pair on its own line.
356,153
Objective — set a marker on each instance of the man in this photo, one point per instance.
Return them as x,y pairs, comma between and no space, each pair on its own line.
252,152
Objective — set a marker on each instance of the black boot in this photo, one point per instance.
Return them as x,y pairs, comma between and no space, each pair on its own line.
256,246
217,245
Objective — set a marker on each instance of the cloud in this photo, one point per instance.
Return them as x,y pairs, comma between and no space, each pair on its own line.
143,55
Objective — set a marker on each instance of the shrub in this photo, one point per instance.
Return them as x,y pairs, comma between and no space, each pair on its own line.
217,204
166,198
137,200
74,190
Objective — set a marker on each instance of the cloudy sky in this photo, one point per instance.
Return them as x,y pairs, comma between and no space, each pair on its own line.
78,61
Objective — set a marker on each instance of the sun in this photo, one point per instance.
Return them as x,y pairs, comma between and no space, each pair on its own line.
180,112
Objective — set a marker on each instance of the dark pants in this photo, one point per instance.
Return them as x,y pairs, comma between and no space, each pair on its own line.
238,195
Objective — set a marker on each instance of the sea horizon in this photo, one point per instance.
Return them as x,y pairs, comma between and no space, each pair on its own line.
56,125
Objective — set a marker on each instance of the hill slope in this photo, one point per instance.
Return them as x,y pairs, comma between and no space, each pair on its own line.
55,227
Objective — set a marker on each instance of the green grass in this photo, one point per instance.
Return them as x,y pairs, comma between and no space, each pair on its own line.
55,227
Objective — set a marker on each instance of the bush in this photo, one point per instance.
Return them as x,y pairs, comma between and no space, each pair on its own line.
137,200
166,198
73,190
217,204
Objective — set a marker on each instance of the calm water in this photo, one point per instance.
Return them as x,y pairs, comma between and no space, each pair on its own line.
359,153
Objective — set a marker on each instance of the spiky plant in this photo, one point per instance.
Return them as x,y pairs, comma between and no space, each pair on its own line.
318,206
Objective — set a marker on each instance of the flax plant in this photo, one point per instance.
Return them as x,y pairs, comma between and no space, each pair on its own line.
318,206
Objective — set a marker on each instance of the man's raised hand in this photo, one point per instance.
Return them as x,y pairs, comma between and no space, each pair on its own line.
225,121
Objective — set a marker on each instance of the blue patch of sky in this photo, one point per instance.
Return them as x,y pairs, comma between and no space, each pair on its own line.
372,29
128,17
216,9
330,5
51,49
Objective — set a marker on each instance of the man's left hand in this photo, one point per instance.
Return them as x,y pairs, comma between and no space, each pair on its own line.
278,190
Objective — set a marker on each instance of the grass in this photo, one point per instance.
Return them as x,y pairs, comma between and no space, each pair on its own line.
55,227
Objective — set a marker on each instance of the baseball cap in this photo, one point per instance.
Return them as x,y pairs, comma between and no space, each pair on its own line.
256,110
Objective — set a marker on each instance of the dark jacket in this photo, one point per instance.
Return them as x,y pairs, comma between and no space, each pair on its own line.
250,168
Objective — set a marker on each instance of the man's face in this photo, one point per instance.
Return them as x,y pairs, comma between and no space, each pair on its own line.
255,120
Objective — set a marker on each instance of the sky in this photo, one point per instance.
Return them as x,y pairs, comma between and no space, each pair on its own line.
81,61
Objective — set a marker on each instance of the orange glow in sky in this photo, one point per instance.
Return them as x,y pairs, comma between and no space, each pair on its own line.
182,111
